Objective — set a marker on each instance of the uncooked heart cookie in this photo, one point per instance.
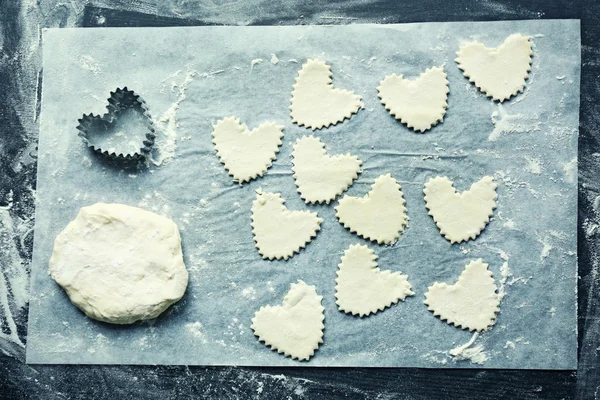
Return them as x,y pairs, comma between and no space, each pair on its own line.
471,303
460,216
321,178
278,232
380,216
362,288
294,328
499,73
419,103
246,154
315,102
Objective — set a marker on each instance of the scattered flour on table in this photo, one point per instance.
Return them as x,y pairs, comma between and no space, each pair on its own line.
505,123
195,329
155,202
255,62
166,125
533,166
100,342
546,247
468,352
89,64
464,352
249,293
570,171
512,344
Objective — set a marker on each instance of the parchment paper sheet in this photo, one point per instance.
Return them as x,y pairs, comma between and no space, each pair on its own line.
191,77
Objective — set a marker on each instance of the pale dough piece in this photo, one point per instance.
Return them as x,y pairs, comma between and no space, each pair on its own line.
315,102
246,154
294,328
321,178
120,264
471,303
278,232
499,73
460,216
362,288
419,103
379,216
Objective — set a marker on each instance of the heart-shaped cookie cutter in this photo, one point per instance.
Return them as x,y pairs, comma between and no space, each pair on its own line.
119,100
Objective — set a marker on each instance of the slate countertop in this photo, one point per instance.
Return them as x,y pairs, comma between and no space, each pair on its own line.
20,86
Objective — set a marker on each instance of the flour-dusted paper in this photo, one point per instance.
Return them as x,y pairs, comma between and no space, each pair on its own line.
191,78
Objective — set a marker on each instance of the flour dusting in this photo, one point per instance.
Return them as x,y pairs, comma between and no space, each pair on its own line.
505,123
167,125
570,171
468,352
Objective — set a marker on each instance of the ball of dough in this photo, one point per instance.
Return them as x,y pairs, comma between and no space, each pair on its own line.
120,264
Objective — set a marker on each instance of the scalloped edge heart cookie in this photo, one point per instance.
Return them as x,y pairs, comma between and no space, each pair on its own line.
295,328
320,178
316,103
419,103
246,154
471,303
500,72
278,232
460,216
362,288
379,216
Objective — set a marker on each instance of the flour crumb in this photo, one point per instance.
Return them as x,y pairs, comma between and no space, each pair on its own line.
195,329
466,352
570,170
546,247
274,59
509,223
533,166
255,62
249,293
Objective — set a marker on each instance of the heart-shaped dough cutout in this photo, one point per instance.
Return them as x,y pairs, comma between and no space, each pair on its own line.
321,178
419,103
471,303
380,216
460,216
315,102
296,327
278,232
362,288
499,73
246,154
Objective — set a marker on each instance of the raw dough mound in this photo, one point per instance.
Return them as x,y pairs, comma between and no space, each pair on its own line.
120,264
296,327
362,288
315,102
246,154
460,216
278,232
419,103
499,73
379,216
321,178
471,303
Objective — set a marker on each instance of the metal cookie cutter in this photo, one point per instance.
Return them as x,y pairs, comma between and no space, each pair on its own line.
109,134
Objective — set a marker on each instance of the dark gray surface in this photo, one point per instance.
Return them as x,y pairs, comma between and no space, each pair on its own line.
19,67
